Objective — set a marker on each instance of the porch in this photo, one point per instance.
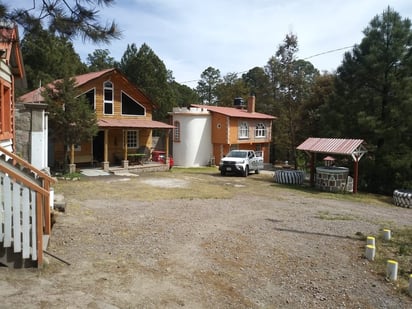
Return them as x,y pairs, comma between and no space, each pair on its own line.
147,167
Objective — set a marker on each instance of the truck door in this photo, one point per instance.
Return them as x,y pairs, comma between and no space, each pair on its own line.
252,160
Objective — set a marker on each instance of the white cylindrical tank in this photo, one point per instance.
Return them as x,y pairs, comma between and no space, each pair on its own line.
194,146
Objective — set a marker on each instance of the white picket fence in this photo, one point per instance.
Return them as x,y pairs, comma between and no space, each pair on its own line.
18,217
25,217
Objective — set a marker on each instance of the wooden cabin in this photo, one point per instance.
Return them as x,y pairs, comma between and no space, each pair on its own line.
124,115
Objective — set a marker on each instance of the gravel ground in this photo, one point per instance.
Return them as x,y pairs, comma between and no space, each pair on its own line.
269,249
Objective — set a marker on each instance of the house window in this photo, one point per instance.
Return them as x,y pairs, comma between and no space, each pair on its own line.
260,130
90,97
132,139
131,106
5,111
108,98
243,130
176,131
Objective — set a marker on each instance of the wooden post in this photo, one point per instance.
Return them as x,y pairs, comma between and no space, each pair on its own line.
312,169
106,145
355,176
125,145
47,217
39,228
167,144
72,153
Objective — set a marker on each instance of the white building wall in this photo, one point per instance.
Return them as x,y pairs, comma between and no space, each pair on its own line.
195,146
39,140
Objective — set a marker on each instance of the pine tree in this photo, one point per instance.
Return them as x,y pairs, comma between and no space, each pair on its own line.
374,101
148,72
68,19
71,119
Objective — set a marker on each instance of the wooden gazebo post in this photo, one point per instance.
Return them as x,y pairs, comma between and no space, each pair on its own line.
106,150
356,156
312,169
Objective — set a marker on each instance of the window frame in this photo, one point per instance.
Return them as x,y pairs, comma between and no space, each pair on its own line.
260,130
124,93
176,131
108,102
243,132
6,106
132,139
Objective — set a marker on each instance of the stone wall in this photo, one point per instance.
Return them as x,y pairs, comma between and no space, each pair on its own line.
22,129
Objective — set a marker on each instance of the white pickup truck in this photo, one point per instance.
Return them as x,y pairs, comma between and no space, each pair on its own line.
240,162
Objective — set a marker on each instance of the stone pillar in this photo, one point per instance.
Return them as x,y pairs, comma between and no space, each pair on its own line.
105,166
125,164
72,168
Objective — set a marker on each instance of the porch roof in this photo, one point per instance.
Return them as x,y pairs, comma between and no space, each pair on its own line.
133,123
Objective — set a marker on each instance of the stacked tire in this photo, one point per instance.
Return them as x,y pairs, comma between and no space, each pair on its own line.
402,198
291,177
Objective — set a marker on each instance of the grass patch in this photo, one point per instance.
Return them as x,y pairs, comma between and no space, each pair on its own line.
359,197
399,248
326,215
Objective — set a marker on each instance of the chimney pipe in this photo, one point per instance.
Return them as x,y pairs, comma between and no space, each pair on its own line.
251,104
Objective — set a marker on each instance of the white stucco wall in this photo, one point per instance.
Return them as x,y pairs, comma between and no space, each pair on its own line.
39,140
195,146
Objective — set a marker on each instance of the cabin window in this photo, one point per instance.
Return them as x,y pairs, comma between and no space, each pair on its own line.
243,130
176,131
90,98
108,98
131,106
133,139
260,130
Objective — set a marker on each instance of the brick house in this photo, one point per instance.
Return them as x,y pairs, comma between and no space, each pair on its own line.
203,134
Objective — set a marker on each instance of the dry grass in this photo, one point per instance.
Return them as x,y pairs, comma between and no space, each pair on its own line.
399,249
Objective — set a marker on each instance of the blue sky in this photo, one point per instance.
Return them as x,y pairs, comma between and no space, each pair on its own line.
237,35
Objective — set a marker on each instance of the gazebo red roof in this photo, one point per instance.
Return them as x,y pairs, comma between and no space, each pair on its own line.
341,146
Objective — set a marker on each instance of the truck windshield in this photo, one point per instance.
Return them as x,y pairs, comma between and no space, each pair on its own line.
237,154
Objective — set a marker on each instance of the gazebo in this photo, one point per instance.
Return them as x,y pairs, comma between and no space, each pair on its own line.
338,146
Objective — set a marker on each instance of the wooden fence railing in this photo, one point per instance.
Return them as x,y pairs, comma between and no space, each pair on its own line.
24,206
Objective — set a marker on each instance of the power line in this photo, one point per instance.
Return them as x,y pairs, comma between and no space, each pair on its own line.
329,51
309,57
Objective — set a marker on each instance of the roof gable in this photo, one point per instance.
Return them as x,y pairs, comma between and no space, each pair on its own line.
35,96
9,44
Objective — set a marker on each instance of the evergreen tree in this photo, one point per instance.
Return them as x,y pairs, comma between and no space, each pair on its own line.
257,83
47,58
185,96
99,60
145,69
291,81
229,88
69,19
374,101
71,120
322,90
207,86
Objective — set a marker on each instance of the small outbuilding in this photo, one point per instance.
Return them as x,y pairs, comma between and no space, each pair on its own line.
338,146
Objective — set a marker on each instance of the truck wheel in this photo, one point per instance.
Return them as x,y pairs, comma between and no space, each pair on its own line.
246,171
222,173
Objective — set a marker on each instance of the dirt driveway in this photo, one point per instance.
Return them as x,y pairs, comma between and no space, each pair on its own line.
199,240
